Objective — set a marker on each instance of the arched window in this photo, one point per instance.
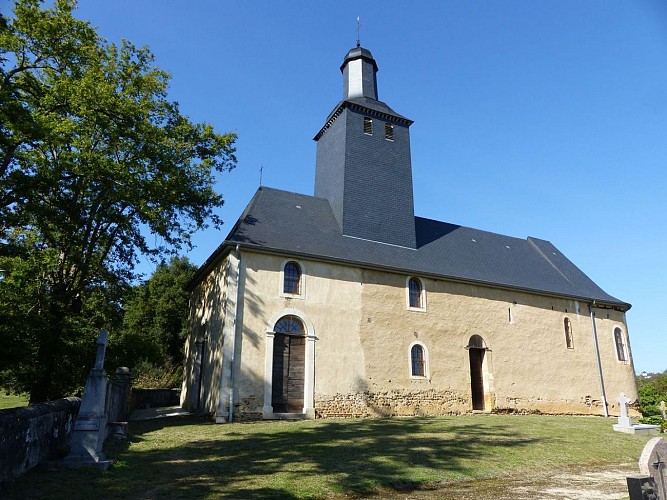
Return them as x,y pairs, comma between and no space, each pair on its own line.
418,359
292,278
620,345
415,293
289,324
569,340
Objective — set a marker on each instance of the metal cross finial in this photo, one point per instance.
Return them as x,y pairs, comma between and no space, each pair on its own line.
261,169
358,25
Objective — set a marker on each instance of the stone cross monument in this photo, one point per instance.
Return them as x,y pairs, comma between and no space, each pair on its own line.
623,419
625,422
91,423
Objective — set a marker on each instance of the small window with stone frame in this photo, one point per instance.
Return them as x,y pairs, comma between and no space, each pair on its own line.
415,293
569,337
620,345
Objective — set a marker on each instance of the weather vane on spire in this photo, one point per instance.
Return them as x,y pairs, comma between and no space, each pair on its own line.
358,25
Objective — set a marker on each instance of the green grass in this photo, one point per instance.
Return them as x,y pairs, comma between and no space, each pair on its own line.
190,458
12,400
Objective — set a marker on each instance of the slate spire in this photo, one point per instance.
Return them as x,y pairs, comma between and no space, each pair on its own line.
363,162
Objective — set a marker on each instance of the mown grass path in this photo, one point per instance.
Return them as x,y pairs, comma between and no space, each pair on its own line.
191,458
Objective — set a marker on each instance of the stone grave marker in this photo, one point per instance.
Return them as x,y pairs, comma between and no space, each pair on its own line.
652,484
625,422
91,423
663,410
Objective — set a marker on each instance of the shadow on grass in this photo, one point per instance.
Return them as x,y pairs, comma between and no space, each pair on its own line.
285,459
360,457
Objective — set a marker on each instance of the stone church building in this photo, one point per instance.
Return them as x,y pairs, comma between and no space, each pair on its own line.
344,303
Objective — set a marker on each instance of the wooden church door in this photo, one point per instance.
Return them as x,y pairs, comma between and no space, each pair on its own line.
289,357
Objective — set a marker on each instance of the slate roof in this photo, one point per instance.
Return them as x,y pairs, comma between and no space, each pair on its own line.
302,225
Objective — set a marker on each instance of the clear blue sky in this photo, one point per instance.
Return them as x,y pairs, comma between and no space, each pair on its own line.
544,119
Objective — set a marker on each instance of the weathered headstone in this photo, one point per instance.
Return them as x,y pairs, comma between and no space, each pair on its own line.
625,422
652,463
623,418
642,488
90,426
663,410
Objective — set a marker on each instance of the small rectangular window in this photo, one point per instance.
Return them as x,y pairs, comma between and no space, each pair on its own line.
569,341
389,131
368,126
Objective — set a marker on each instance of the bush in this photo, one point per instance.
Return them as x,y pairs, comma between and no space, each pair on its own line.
652,389
146,375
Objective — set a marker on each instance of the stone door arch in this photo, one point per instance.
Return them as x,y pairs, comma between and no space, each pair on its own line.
289,367
289,357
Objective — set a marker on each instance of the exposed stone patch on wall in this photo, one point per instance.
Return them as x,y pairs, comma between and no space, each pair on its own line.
391,403
434,402
586,405
248,410
35,433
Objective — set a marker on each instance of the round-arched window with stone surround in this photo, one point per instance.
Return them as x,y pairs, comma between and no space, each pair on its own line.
416,296
418,361
621,353
292,278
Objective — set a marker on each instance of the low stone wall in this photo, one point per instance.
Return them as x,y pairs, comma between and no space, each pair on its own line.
155,398
33,434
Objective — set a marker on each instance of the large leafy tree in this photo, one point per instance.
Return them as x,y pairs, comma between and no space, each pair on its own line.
97,167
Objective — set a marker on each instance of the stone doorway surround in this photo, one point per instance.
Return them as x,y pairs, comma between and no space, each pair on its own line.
309,368
481,378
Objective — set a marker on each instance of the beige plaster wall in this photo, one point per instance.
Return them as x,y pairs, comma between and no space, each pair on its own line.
330,300
206,317
363,331
528,366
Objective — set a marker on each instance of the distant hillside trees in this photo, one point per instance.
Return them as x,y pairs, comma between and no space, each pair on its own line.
97,168
153,331
652,389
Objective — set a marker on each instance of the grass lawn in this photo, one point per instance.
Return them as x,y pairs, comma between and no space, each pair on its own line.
12,400
191,458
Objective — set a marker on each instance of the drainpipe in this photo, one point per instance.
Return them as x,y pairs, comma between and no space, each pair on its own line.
236,325
597,353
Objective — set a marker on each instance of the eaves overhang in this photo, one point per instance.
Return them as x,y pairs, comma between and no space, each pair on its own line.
229,245
361,109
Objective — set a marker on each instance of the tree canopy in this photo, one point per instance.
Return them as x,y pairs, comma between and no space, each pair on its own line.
97,168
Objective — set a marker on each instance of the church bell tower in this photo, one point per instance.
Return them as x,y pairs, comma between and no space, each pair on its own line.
363,164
